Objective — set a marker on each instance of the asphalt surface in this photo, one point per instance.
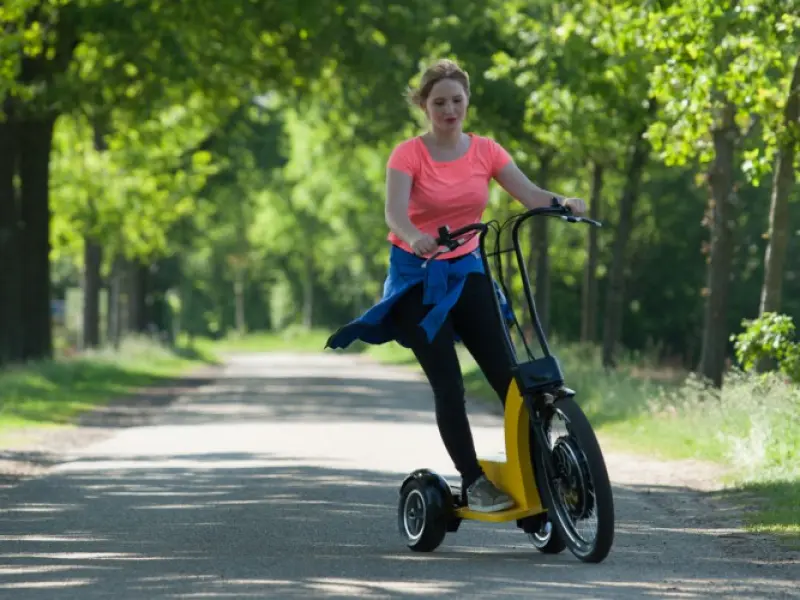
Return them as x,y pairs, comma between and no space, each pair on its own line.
280,480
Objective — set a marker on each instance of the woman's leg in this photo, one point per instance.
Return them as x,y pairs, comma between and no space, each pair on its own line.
476,321
439,361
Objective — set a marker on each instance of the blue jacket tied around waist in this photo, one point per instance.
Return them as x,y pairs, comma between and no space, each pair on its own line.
443,282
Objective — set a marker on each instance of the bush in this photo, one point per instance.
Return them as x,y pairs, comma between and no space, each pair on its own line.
769,339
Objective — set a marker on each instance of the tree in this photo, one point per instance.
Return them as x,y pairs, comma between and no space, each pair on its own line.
783,180
67,56
722,58
585,78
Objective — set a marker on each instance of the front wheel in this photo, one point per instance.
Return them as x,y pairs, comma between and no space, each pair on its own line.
577,490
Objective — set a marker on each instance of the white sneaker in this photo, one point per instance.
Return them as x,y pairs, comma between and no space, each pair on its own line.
484,496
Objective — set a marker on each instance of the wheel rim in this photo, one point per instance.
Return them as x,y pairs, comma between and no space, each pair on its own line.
542,536
574,481
414,514
572,488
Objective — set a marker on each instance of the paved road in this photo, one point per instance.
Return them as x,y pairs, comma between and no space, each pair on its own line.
279,480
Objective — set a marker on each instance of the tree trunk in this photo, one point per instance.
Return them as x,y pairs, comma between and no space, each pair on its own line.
92,261
720,176
137,297
114,308
782,183
615,293
589,299
540,255
238,290
36,138
308,294
11,332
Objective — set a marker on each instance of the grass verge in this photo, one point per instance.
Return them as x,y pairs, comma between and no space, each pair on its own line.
751,427
53,393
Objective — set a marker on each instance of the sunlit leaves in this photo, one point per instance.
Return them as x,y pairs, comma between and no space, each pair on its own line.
128,196
736,52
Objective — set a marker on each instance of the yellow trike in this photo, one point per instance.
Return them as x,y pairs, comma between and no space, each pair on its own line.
553,468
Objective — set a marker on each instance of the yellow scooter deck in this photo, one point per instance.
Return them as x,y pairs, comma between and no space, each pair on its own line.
497,517
515,474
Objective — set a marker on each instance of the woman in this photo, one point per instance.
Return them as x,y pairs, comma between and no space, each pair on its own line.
442,178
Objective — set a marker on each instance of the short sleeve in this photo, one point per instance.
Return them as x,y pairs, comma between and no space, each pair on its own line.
498,157
404,158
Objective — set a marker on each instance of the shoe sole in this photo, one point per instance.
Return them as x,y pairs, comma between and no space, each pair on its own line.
493,508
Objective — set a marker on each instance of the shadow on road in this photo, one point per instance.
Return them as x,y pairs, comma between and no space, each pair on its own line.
239,525
324,399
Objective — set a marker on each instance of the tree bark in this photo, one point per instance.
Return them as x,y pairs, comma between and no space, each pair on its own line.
308,294
540,255
114,305
11,332
589,297
92,261
715,331
36,138
615,293
137,297
782,183
238,290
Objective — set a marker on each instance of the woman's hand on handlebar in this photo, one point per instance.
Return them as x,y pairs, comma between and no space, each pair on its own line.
424,244
576,205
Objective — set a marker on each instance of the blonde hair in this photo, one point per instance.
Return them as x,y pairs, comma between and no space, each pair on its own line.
441,69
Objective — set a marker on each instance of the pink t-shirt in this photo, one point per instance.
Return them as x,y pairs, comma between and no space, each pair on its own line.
453,193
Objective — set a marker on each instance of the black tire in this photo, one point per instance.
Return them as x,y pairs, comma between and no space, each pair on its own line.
582,460
422,516
543,534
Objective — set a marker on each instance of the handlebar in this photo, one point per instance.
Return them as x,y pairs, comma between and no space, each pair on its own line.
453,239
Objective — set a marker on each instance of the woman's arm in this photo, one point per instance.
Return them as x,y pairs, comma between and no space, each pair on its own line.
516,183
398,192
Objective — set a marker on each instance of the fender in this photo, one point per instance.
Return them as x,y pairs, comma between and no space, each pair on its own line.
430,478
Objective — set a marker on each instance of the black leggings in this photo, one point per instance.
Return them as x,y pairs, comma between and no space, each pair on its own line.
475,319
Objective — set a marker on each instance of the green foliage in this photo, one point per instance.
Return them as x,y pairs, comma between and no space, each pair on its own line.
737,52
584,80
250,151
127,197
769,337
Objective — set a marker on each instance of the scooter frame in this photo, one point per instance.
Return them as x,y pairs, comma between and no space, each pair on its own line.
535,385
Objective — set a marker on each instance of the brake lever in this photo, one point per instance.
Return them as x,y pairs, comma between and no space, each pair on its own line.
574,219
451,245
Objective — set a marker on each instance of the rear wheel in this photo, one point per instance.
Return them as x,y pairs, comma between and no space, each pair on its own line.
577,493
543,535
421,518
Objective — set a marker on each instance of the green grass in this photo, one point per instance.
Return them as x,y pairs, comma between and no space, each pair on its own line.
53,393
752,427
769,507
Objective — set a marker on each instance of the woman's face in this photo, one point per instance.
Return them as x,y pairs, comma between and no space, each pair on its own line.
446,105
